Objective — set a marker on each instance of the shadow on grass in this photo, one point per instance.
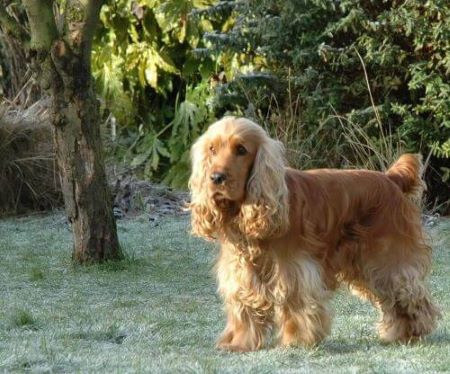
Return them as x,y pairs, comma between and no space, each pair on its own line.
127,263
112,335
41,366
341,346
439,338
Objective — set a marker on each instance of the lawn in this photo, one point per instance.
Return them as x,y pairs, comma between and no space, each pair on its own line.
157,311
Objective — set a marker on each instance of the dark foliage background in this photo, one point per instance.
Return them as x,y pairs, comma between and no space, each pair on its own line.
374,68
343,83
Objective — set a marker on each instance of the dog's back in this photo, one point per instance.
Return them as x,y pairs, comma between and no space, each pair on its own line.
334,197
354,215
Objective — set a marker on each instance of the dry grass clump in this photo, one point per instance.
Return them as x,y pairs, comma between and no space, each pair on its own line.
28,175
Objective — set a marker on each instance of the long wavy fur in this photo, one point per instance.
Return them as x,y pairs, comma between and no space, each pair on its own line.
291,237
265,211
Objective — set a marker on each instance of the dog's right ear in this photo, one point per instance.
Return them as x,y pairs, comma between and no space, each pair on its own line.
205,218
265,212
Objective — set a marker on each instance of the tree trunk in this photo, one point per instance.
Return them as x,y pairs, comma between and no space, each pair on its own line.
79,152
65,70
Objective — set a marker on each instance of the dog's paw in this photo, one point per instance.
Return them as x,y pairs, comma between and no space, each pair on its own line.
225,339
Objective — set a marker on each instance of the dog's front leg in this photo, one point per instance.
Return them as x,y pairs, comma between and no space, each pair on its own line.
249,313
246,328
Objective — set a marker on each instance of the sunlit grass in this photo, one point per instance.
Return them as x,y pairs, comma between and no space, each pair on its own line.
157,310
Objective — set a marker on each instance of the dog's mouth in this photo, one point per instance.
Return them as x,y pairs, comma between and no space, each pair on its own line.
219,192
225,195
226,204
220,196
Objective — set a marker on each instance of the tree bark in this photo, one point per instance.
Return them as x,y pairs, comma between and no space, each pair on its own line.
64,68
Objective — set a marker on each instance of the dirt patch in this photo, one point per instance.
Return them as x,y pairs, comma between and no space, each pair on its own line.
133,196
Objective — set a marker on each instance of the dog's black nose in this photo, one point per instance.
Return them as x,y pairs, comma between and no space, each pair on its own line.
218,178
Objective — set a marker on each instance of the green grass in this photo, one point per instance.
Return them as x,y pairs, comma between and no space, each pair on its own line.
157,311
23,318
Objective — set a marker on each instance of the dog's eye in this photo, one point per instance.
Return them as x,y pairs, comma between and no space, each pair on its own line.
240,150
212,149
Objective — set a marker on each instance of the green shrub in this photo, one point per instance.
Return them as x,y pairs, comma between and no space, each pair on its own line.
151,78
324,49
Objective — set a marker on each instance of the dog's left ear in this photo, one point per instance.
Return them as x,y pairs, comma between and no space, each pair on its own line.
265,211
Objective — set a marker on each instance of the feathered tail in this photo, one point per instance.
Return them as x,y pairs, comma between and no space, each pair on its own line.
406,173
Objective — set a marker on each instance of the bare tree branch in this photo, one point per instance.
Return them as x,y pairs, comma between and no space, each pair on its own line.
92,15
42,23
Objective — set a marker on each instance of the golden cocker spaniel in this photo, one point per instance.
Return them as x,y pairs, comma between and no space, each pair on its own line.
288,238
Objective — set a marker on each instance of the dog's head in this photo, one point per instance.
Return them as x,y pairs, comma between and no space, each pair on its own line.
238,178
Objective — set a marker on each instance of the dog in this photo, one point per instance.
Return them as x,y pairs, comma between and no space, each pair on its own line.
289,238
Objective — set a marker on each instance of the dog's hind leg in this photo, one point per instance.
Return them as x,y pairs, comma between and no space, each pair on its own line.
393,272
407,311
